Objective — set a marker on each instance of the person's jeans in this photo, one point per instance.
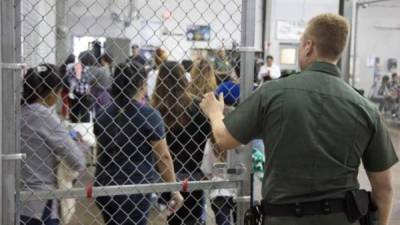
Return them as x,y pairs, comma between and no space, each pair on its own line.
224,210
46,217
80,107
25,220
124,209
101,99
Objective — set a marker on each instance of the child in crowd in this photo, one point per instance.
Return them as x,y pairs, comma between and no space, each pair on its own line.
45,142
222,200
214,167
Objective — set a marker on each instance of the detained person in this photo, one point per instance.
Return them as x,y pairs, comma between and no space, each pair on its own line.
46,142
131,146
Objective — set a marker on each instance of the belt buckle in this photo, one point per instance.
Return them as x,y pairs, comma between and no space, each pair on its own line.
298,210
326,208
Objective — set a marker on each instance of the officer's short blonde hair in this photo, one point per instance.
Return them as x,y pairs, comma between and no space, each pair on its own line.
329,32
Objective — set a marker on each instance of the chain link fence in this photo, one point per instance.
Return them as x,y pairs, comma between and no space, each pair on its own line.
127,132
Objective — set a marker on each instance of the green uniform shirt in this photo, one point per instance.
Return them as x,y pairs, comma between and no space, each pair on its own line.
316,130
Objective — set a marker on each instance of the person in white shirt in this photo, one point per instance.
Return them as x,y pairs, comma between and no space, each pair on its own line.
214,166
160,56
269,71
223,201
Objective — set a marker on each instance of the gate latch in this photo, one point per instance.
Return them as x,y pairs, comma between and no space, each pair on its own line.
18,156
13,66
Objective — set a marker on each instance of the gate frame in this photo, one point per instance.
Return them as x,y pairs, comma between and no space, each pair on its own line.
247,57
11,56
10,84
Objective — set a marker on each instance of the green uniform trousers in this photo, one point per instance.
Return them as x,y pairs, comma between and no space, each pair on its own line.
332,219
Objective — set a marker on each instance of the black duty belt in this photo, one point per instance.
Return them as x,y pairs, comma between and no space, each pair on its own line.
323,207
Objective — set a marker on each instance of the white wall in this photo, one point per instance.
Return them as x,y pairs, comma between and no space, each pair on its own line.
382,43
224,17
93,18
38,30
296,11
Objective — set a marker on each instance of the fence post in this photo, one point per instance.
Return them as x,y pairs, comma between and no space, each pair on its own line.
1,115
346,9
62,37
9,84
246,87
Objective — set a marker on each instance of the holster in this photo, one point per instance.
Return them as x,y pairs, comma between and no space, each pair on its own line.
359,207
253,216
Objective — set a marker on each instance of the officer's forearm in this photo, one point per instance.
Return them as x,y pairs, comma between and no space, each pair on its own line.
223,138
382,193
383,200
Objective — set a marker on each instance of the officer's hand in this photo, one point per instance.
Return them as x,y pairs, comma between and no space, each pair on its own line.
211,106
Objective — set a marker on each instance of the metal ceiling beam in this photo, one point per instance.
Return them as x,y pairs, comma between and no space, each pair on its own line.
372,2
385,6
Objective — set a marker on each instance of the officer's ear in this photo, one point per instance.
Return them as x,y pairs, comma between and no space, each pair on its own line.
309,47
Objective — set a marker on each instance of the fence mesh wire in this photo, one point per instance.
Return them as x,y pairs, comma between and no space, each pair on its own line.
130,74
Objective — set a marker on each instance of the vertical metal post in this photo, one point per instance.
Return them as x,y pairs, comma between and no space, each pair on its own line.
263,25
1,115
354,69
10,47
62,37
17,89
246,88
247,56
341,7
346,10
268,26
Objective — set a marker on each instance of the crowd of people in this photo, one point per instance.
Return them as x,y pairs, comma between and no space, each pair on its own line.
147,119
164,122
386,94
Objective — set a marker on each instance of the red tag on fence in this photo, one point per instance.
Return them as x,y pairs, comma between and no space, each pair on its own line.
185,185
89,190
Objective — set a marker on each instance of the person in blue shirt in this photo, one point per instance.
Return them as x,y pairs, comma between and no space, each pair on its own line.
131,146
231,92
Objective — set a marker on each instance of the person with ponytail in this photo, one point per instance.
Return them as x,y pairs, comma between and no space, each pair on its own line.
131,145
187,132
45,142
203,78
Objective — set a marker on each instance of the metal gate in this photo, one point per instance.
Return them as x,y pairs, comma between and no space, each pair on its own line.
182,47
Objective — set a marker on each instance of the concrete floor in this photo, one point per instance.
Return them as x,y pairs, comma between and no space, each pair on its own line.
88,214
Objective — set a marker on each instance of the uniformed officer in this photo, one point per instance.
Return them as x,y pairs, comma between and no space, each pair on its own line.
316,130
